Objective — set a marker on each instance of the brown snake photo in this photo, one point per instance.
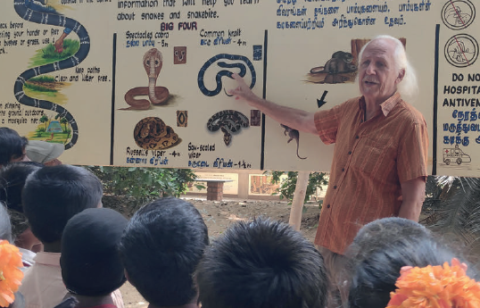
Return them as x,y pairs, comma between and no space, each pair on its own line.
152,62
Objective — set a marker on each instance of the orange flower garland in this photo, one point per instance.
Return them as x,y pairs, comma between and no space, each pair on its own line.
436,286
10,273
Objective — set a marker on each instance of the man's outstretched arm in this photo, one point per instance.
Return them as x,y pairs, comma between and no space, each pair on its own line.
294,118
413,195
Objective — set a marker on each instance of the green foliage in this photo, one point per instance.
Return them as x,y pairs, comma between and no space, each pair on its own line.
144,184
287,188
64,121
38,88
44,78
48,54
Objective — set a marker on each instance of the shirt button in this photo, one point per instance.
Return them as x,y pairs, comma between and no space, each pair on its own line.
349,152
328,206
357,137
343,169
335,187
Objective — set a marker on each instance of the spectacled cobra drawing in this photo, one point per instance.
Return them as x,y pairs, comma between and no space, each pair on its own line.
229,121
152,62
227,73
53,19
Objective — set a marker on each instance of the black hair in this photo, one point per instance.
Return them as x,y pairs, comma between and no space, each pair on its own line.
160,249
5,225
11,145
262,264
12,181
90,262
381,249
52,195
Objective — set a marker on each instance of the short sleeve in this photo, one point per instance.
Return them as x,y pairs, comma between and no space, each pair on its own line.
67,31
327,122
413,153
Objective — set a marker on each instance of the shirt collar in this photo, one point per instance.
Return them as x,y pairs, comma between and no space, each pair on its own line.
386,106
48,258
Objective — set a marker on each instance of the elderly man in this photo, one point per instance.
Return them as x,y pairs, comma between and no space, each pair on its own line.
381,145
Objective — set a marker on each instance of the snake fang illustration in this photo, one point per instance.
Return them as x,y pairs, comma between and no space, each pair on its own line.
228,121
152,62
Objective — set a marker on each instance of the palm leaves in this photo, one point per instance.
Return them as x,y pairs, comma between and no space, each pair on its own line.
452,208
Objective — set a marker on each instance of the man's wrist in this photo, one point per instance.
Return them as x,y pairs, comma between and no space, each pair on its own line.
256,101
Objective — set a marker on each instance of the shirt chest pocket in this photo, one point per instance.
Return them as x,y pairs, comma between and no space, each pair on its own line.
374,156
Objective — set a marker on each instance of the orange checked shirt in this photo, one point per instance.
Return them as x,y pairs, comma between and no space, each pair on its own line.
370,161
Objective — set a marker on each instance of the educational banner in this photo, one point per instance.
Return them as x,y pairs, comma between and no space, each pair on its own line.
459,90
172,107
56,75
145,82
321,41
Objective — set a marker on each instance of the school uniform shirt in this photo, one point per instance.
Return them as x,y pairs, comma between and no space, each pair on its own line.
371,159
28,258
43,287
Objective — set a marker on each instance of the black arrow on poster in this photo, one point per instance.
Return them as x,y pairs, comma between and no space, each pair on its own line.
321,101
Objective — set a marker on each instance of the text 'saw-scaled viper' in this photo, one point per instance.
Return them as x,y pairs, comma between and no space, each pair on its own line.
152,62
227,73
53,19
229,121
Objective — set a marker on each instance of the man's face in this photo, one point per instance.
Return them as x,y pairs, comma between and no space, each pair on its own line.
378,74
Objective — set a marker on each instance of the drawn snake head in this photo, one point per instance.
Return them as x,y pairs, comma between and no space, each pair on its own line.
152,62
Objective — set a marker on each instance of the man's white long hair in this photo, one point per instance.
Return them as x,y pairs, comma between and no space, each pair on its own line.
408,87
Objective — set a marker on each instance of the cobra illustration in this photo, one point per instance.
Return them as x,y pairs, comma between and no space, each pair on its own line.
227,73
152,62
53,19
228,121
153,134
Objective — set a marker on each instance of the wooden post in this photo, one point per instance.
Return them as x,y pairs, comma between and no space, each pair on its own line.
298,198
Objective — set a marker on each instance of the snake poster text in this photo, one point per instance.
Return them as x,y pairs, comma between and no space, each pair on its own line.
146,82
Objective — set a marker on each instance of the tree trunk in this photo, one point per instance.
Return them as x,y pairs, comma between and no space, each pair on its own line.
298,199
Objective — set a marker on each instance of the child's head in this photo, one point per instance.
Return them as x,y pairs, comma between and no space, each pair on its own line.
12,181
383,232
12,146
90,262
262,263
160,249
53,195
380,250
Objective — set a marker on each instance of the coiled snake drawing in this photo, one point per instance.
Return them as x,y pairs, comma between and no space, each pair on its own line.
53,19
222,73
229,121
152,62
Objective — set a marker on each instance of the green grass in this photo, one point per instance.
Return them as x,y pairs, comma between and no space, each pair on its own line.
57,137
49,55
45,78
38,88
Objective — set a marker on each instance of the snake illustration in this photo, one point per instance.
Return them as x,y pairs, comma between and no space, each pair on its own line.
222,73
152,62
228,121
53,19
153,134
